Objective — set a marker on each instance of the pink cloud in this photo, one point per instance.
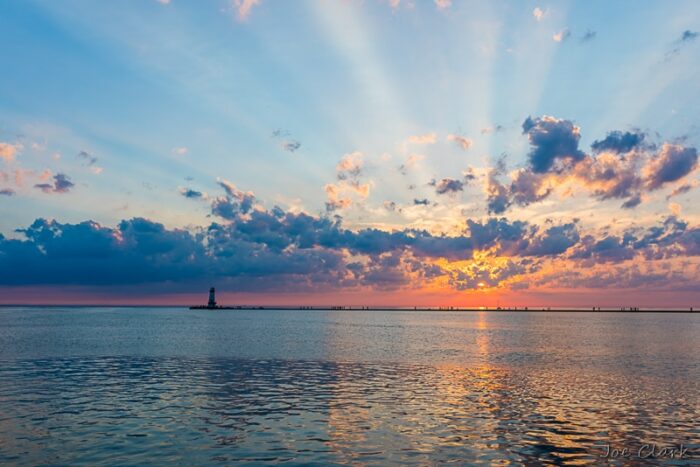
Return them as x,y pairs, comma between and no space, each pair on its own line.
244,7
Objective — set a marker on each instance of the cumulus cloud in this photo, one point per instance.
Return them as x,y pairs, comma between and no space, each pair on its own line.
61,184
334,199
448,185
671,164
348,171
623,165
180,150
462,141
8,151
619,142
350,166
272,249
553,141
538,13
235,203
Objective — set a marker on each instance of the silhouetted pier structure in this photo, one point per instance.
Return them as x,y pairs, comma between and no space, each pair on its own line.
212,305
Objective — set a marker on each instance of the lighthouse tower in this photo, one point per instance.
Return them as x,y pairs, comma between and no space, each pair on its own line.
212,298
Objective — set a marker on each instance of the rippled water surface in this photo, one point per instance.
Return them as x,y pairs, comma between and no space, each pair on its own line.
132,386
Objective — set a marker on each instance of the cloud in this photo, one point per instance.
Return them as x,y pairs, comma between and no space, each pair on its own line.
350,166
88,158
555,240
290,145
671,164
428,138
463,142
538,13
235,203
683,189
164,2
632,202
562,35
443,4
553,141
334,200
487,130
421,202
192,194
348,171
244,7
689,35
287,143
8,151
528,187
448,185
272,249
619,142
61,184
180,150
588,36
7,192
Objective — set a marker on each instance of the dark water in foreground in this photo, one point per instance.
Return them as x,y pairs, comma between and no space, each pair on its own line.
153,386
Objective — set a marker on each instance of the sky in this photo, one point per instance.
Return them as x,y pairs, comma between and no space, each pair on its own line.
352,152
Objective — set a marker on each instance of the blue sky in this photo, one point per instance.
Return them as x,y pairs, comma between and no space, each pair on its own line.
273,96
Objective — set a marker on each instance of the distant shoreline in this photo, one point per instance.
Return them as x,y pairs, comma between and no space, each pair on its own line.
538,309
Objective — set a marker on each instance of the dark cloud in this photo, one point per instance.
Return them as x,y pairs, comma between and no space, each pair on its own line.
448,185
234,203
421,202
553,142
287,143
633,202
672,163
528,187
291,145
61,184
588,36
619,142
282,251
555,241
7,192
689,35
497,197
88,158
190,193
681,190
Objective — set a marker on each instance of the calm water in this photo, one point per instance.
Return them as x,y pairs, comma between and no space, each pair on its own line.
142,385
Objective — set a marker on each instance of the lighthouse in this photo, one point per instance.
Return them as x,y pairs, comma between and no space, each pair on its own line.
212,298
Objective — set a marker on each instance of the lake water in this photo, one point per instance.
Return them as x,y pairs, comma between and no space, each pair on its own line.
134,386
